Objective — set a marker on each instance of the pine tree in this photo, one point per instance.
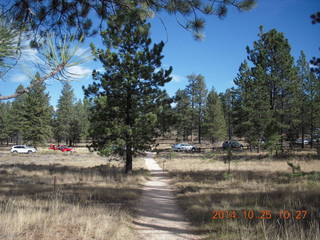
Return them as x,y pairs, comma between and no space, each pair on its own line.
251,114
79,122
183,112
5,122
198,93
36,114
64,115
166,116
16,117
126,98
308,89
228,105
274,68
78,17
214,123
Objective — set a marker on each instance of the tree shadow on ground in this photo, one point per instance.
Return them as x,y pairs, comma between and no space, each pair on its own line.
74,185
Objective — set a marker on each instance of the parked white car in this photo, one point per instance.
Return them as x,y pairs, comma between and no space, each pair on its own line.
183,147
23,149
299,141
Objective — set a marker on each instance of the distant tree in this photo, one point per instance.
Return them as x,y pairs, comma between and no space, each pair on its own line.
79,123
228,105
82,113
64,115
309,87
183,114
251,114
16,116
306,96
242,93
36,114
5,122
166,116
198,92
214,123
126,98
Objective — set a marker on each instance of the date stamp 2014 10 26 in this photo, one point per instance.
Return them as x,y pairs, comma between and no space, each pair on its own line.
262,214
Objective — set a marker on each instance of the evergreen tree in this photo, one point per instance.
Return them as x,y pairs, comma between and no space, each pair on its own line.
126,98
214,123
79,122
228,105
308,93
252,113
183,112
198,93
4,122
16,117
166,116
305,92
64,115
82,111
274,69
36,114
9,48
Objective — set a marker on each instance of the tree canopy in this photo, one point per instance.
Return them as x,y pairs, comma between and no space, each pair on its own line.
80,17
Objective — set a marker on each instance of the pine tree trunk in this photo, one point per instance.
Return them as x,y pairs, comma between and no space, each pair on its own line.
128,169
199,126
311,127
302,137
129,123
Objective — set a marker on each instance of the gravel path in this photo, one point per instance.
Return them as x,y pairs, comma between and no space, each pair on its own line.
159,217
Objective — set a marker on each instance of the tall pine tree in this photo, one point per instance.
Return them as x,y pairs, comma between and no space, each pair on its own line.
198,92
214,123
183,113
126,97
37,114
16,117
276,76
64,115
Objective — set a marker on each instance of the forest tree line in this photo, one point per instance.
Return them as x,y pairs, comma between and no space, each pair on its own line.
274,99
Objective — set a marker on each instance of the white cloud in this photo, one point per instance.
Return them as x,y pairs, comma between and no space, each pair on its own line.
19,78
30,56
176,78
82,52
79,71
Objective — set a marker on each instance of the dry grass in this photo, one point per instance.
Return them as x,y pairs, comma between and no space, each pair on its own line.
256,182
67,196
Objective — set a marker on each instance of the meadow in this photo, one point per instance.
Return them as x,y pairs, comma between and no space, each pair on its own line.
261,197
56,196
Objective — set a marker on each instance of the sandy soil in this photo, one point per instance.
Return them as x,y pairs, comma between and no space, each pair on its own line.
159,217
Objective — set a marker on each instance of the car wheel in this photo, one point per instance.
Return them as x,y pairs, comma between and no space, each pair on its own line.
29,152
15,152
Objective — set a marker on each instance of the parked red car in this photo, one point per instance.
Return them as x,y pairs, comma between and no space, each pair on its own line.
62,148
54,147
65,149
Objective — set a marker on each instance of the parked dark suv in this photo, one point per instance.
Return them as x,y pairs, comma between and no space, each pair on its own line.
233,144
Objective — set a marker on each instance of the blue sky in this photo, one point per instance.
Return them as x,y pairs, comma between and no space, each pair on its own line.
218,56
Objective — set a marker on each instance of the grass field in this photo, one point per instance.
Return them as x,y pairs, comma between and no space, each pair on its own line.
61,196
257,184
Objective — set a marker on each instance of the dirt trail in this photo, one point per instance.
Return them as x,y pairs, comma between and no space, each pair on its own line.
159,217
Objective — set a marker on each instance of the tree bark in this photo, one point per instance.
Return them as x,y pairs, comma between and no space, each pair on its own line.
199,125
128,169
